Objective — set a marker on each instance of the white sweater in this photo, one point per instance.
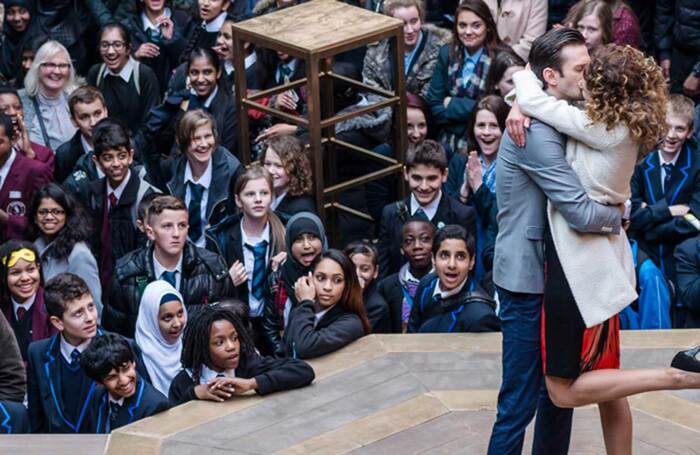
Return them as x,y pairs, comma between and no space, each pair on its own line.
598,267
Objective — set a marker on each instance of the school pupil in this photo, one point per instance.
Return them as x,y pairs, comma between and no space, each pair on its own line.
74,165
364,255
448,300
331,313
249,241
22,294
142,210
159,327
305,239
399,289
201,175
199,275
58,390
213,14
220,361
287,160
62,231
426,171
125,397
20,178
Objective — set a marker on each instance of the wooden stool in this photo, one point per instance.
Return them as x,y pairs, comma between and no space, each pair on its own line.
316,31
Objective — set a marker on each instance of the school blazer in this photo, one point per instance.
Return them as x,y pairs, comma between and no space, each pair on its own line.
393,292
41,327
687,257
653,226
67,156
377,309
450,211
271,374
14,418
470,310
44,395
146,402
26,176
336,329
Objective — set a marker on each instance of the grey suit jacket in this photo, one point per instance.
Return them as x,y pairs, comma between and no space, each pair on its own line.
527,178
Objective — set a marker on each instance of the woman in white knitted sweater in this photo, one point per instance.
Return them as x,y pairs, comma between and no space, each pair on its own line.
590,278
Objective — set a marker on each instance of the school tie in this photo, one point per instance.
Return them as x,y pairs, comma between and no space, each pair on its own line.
169,277
668,169
114,408
195,211
421,214
74,358
21,313
220,375
259,253
285,73
106,240
154,36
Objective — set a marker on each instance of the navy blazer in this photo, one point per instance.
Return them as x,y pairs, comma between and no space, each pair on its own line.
14,418
145,402
470,310
652,226
45,402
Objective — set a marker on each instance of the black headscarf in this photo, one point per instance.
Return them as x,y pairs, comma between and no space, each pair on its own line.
292,270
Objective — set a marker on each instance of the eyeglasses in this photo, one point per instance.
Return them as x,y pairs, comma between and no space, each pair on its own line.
53,66
117,45
54,212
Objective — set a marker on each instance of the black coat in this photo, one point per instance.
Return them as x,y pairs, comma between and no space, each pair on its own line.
377,310
394,215
470,310
66,157
336,329
291,205
687,258
84,172
677,26
145,402
652,226
14,418
392,291
204,280
272,375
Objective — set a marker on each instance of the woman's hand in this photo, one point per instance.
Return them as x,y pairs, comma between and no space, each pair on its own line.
304,289
279,129
474,172
214,391
517,123
237,273
278,260
166,26
241,386
147,50
24,143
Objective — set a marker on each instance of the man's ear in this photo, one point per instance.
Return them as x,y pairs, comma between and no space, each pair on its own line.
405,173
550,76
445,173
56,322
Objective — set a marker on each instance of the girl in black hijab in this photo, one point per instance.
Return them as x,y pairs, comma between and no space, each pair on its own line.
18,18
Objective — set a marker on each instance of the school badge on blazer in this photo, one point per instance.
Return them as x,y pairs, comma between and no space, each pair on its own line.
16,206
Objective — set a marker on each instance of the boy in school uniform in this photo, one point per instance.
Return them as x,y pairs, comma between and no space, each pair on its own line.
58,390
200,275
113,199
125,396
666,193
447,300
425,172
20,178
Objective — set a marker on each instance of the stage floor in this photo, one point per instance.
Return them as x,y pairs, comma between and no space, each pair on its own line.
403,394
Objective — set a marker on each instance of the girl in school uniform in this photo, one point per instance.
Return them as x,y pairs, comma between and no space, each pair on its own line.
287,160
331,313
249,241
213,14
22,294
365,257
201,175
220,361
159,327
305,239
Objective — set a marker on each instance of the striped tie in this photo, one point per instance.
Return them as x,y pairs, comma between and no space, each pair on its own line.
259,269
195,211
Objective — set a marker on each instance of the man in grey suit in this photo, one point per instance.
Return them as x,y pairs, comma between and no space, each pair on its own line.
527,177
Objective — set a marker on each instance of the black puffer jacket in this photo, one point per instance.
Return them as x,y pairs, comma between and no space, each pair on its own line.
204,280
677,26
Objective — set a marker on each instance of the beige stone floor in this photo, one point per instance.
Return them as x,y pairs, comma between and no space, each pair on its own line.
395,393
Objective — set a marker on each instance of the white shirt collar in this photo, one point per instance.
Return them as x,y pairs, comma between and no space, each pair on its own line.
215,25
250,60
5,169
204,180
245,238
228,67
86,147
67,348
447,294
120,401
148,24
430,209
320,314
673,161
210,98
125,72
278,200
406,274
209,374
26,305
158,268
119,190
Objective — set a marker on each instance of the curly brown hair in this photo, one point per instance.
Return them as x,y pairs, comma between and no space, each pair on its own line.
628,88
296,163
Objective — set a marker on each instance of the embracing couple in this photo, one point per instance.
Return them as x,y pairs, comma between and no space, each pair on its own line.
561,188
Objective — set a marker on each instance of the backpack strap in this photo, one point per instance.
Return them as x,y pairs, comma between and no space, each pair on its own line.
402,212
137,76
101,75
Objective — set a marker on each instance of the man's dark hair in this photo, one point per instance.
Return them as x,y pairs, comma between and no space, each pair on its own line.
428,153
110,134
105,353
9,89
454,231
546,50
62,288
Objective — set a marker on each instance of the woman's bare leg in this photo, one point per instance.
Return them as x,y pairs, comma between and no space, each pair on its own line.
616,420
599,386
